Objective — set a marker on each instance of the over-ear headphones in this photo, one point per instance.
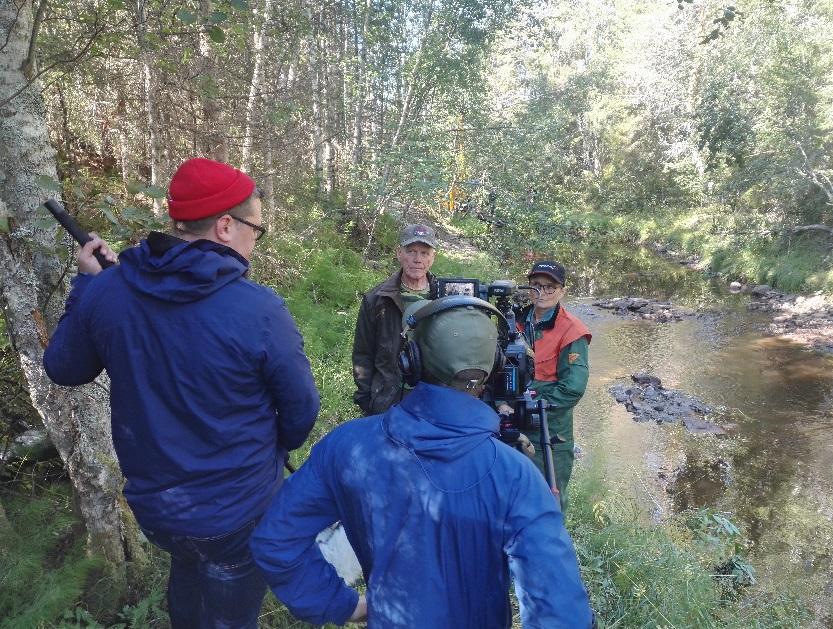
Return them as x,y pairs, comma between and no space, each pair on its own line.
410,359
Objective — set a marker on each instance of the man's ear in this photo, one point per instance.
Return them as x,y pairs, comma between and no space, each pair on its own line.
222,228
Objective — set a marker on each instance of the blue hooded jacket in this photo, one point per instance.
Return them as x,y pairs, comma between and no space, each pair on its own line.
209,384
440,514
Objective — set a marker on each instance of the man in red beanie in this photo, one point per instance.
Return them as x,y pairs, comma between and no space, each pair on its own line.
210,388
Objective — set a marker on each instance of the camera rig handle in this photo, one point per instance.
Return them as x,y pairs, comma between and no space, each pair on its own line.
546,448
74,229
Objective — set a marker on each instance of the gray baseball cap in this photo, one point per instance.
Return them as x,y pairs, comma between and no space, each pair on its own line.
455,340
418,233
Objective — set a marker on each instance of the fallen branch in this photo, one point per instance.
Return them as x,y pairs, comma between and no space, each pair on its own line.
806,228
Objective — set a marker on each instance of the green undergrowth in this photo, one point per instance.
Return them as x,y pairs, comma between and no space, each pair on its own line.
322,280
746,247
743,246
44,569
690,571
28,559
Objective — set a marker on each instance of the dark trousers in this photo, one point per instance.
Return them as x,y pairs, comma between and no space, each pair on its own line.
214,582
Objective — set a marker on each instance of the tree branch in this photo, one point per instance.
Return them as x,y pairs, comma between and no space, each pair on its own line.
48,68
29,64
11,26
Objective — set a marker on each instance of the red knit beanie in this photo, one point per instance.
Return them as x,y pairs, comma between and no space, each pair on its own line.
202,187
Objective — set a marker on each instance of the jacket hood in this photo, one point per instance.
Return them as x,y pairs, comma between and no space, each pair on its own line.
175,270
439,423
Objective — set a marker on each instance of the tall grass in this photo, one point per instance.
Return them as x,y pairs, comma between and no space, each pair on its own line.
671,574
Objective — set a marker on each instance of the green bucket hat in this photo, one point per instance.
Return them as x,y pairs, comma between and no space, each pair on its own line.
455,340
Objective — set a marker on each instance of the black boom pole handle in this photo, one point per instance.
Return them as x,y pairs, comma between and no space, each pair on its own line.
74,229
546,449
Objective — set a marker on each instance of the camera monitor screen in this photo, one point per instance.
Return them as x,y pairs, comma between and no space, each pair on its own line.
458,286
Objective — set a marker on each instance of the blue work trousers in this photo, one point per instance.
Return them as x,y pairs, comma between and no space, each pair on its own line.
214,582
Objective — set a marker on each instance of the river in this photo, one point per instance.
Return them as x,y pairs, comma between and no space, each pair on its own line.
773,474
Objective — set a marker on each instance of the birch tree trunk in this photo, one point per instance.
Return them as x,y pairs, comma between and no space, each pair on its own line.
149,96
357,120
215,142
315,81
259,42
32,295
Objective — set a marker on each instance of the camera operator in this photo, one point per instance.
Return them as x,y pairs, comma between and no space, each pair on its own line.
561,343
440,512
376,342
209,386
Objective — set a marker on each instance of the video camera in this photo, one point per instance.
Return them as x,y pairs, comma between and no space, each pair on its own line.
508,384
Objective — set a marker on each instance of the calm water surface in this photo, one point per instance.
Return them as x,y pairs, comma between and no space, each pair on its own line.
774,474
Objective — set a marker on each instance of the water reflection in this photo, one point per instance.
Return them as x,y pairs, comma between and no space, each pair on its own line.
774,474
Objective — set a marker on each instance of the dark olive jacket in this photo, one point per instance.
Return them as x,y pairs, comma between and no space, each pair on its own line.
376,347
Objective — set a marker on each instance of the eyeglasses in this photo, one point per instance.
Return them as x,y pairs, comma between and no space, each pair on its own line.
546,289
259,229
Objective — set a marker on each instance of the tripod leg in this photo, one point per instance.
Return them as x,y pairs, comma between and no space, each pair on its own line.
546,450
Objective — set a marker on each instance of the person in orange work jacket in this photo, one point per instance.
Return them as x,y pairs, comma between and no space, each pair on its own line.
561,343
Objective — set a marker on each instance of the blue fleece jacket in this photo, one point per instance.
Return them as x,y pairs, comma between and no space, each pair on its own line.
209,388
440,514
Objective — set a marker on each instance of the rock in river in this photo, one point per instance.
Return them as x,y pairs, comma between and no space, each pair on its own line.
648,400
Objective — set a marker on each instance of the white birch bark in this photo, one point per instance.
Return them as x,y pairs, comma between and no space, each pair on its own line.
32,294
149,97
258,44
360,90
315,84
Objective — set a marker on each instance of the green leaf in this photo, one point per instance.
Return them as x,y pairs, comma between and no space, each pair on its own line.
48,183
135,214
186,17
134,187
116,4
110,216
217,34
4,224
218,17
240,5
154,192
43,222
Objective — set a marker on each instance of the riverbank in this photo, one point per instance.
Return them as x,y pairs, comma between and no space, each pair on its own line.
638,572
806,319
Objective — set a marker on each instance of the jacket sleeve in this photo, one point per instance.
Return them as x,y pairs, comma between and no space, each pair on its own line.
364,355
283,545
542,559
289,379
573,371
70,358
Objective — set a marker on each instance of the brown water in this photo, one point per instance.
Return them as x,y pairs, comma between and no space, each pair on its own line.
773,475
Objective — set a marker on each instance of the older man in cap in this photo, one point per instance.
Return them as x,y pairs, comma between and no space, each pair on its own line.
209,386
378,327
441,513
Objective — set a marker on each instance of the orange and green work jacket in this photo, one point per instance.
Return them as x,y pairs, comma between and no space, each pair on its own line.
561,342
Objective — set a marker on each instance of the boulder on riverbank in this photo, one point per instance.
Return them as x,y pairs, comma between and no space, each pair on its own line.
648,400
804,319
642,308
